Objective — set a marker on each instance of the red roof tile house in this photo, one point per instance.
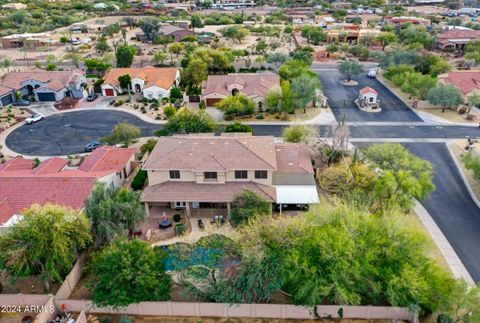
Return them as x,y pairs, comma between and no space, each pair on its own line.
254,86
42,85
152,82
202,174
456,39
54,181
466,81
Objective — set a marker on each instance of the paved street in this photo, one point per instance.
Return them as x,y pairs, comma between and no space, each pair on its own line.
451,206
67,133
341,99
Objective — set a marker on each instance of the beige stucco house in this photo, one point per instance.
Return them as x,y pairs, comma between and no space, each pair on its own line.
152,82
201,174
254,86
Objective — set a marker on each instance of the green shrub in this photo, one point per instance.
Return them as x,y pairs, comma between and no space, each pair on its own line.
148,146
473,163
260,116
139,180
177,217
169,111
164,100
202,105
238,127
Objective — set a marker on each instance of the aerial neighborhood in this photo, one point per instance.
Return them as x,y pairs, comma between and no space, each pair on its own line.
240,161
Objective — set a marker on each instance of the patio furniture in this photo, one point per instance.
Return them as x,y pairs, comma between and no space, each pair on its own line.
166,223
218,219
201,225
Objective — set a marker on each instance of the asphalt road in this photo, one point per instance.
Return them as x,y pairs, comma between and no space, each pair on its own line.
341,100
68,133
451,206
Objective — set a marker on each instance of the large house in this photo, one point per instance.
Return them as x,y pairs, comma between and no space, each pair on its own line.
456,38
201,174
42,85
152,82
466,81
176,32
29,40
55,181
254,86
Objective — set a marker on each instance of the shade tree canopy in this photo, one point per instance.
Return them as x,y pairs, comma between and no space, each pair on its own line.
45,241
128,272
112,213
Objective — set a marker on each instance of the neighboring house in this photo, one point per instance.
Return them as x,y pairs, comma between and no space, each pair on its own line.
14,6
403,20
352,34
466,81
152,82
254,86
56,182
456,38
201,174
177,32
42,85
29,40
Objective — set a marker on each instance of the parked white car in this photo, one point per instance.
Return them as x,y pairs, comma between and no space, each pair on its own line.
34,118
372,73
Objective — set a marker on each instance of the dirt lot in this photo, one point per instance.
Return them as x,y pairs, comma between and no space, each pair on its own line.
26,285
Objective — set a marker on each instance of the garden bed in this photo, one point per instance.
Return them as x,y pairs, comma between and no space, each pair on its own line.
299,115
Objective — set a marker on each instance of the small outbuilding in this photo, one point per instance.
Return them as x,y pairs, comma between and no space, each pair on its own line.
368,100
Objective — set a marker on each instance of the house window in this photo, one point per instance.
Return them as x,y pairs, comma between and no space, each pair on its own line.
371,99
261,174
150,96
174,174
239,174
210,175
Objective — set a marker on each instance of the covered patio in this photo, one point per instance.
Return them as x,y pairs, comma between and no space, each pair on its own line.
198,199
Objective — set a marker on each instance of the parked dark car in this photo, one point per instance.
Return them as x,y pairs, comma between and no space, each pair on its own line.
21,103
91,146
92,97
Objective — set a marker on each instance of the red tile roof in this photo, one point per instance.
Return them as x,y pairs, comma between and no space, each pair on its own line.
367,90
456,33
248,84
21,186
52,165
163,77
107,158
200,192
465,81
6,211
22,192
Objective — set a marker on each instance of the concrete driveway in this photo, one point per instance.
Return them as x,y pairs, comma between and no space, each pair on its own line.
341,100
45,108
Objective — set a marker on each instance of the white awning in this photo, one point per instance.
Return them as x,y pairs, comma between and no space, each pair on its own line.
297,194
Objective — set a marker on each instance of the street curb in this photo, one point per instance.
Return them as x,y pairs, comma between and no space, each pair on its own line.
462,174
454,262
